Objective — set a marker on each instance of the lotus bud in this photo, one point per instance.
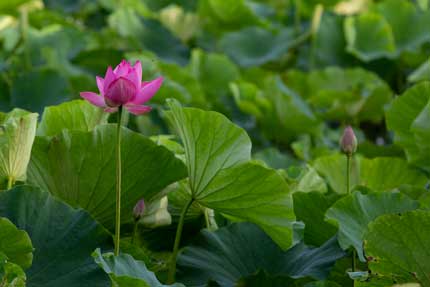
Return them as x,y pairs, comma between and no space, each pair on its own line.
139,209
348,142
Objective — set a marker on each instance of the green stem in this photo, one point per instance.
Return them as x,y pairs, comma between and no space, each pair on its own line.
118,183
297,19
208,224
10,182
348,171
172,268
133,237
24,36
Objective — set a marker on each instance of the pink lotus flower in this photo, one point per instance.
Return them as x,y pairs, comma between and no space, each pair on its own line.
123,87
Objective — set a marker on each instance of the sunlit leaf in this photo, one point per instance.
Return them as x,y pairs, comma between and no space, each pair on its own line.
76,115
378,174
398,244
407,117
79,168
125,271
223,178
354,212
15,244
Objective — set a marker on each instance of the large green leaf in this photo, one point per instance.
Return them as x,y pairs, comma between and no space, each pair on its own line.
77,115
333,169
407,118
214,73
408,23
399,245
378,174
354,212
10,6
385,173
147,32
208,150
369,36
63,238
157,38
281,112
422,73
125,271
79,167
310,208
15,244
391,27
17,131
242,249
11,274
39,88
328,43
222,176
254,46
220,15
343,94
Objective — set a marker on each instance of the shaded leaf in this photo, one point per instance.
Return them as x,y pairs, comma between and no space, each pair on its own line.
254,46
242,249
63,238
39,88
310,208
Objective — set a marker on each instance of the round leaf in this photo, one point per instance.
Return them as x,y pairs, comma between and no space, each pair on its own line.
398,244
242,249
125,271
63,238
79,168
77,115
15,244
222,178
354,212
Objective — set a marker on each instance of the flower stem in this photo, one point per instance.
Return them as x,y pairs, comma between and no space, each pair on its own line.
133,237
297,20
10,182
348,171
118,183
172,268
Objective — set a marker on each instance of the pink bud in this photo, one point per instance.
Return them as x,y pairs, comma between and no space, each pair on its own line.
348,142
139,209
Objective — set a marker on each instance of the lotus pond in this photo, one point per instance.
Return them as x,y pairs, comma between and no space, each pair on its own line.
219,143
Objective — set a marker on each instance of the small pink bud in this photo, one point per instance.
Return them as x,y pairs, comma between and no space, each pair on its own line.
348,142
139,209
